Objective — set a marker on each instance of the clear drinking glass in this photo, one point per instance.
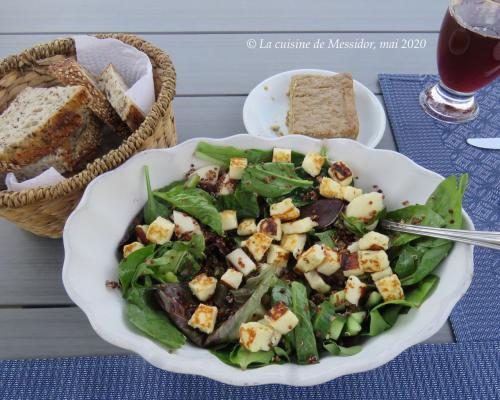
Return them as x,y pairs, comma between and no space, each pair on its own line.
468,58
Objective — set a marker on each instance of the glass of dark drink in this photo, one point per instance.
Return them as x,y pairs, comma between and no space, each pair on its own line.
468,58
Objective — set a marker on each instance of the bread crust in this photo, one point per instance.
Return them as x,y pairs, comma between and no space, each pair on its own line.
45,139
69,72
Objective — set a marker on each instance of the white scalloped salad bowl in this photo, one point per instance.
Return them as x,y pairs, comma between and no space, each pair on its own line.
110,202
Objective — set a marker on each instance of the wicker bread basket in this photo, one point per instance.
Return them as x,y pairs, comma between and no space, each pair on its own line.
44,210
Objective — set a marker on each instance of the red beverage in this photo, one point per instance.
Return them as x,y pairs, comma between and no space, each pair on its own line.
467,59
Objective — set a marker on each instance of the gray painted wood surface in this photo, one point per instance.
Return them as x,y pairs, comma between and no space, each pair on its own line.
208,45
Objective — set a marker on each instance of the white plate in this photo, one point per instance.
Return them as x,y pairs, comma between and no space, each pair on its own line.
110,202
267,106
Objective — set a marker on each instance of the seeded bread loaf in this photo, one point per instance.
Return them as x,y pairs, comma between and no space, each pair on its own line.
39,120
112,83
74,152
323,106
69,72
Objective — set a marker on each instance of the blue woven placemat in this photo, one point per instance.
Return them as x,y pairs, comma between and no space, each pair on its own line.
449,371
469,369
442,147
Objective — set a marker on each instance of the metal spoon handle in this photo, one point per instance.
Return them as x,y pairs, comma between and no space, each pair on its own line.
478,238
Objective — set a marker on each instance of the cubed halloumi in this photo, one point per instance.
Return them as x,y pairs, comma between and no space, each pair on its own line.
366,206
255,336
353,247
390,288
277,257
312,163
208,174
236,167
350,265
226,185
203,286
247,227
310,259
131,247
303,225
341,172
330,189
374,241
229,220
282,155
354,290
258,244
281,319
160,231
285,210
204,318
373,261
270,227
316,282
240,260
185,223
331,263
294,243
232,278
381,274
349,193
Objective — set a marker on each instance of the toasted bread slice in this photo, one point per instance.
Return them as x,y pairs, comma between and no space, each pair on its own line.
69,72
323,106
112,83
39,120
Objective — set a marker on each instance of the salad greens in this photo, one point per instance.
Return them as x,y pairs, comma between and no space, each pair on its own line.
292,284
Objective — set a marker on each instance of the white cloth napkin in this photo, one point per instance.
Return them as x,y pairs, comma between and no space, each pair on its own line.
95,55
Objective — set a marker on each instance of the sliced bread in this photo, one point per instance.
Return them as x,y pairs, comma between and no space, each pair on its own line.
73,153
112,83
39,120
69,72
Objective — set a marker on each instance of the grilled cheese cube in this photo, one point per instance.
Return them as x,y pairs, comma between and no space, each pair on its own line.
353,247
303,225
374,241
160,231
390,288
270,227
294,243
226,185
316,282
281,319
349,193
257,245
373,261
282,155
240,260
330,189
340,172
229,220
354,290
285,210
236,167
247,227
366,206
331,263
232,278
208,174
382,274
312,163
277,257
310,259
203,286
130,248
185,224
350,265
256,336
204,318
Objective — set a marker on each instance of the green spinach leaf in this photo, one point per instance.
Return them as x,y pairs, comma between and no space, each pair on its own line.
128,266
222,155
337,350
154,208
272,179
326,237
247,359
246,204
